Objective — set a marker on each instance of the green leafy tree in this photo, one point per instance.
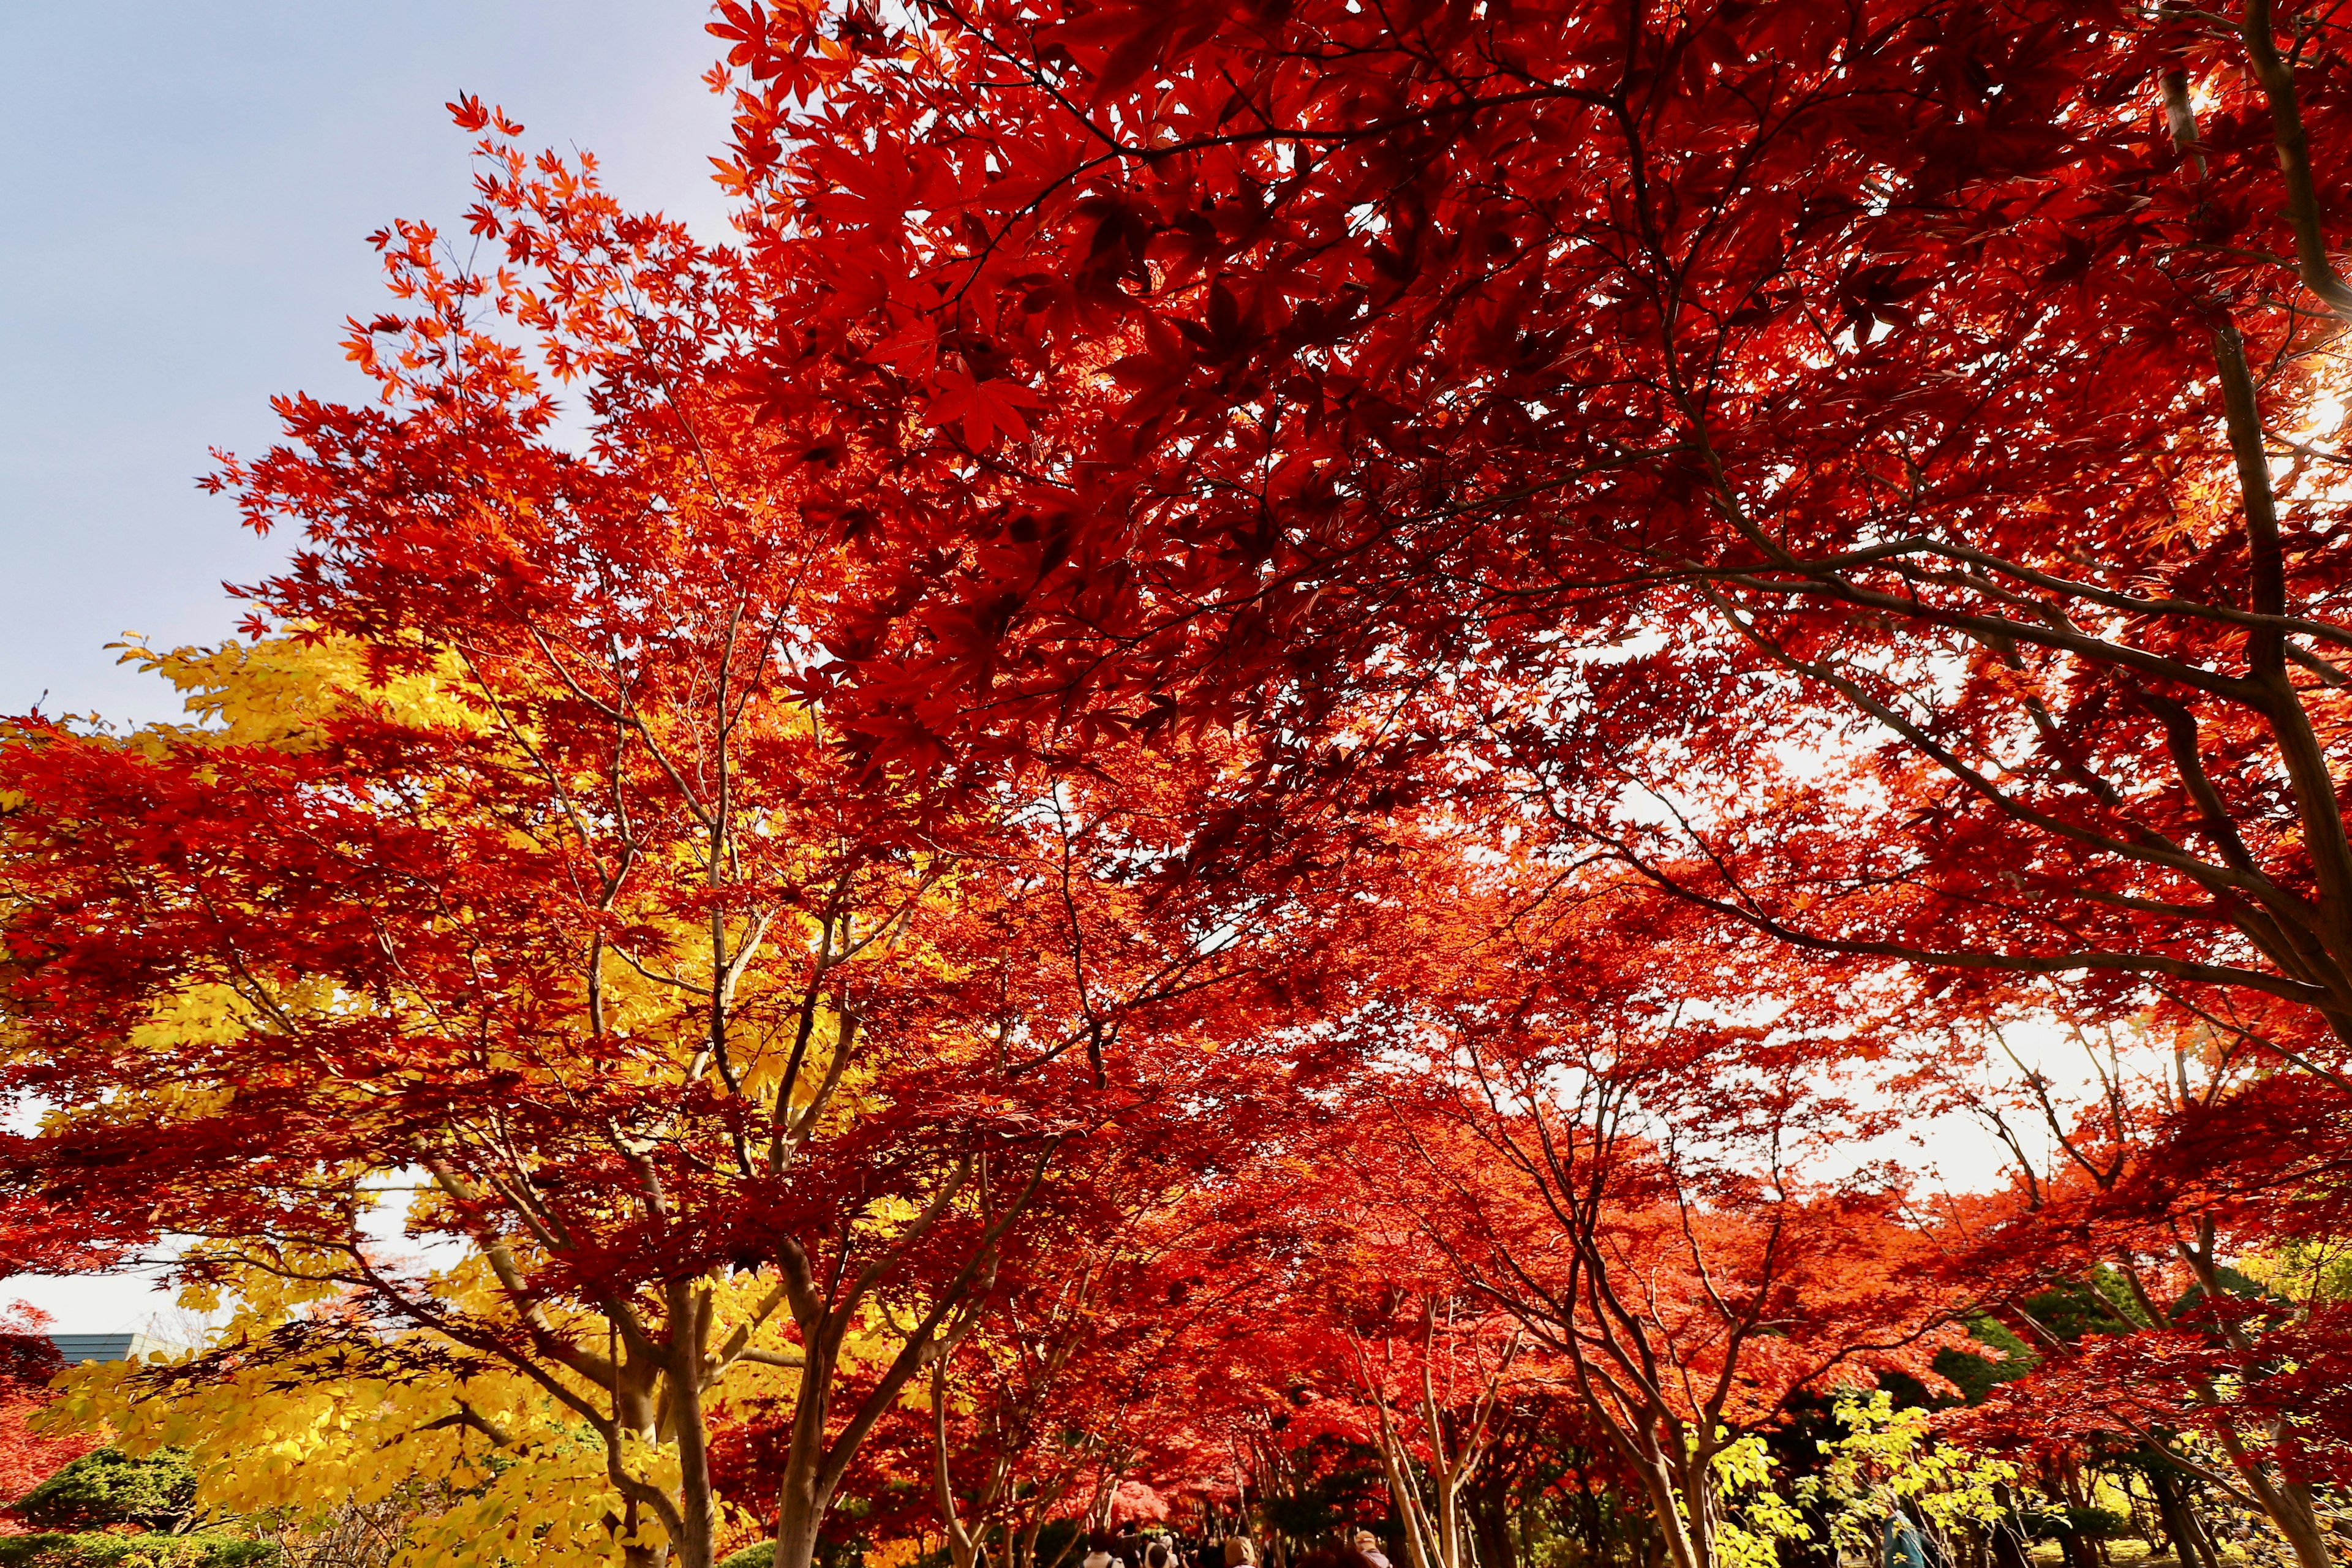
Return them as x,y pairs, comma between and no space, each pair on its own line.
1889,1460
1886,1459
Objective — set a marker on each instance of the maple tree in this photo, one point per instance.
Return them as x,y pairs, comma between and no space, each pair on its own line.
1612,1154
2120,1258
1914,379
516,863
1432,1378
1103,1362
28,1359
1231,771
1454,1380
1051,1407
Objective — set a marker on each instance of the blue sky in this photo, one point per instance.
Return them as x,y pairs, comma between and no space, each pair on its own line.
186,190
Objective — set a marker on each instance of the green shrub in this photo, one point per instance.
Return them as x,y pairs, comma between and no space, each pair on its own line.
759,1554
237,1552
2098,1523
108,1487
96,1550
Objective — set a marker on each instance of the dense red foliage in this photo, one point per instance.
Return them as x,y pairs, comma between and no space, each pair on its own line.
28,1359
1858,370
1271,730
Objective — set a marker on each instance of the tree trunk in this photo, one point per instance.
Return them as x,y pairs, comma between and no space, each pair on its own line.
797,1529
644,1544
2288,1503
2190,1545
2064,1488
1489,1507
1595,1527
1449,1518
964,1548
697,1505
1682,1530
1404,1493
643,1554
801,1497
2008,1545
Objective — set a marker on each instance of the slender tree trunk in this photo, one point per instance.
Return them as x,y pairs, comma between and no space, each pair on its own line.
963,1549
644,1542
1489,1502
2062,1483
698,1504
2008,1543
1405,1492
1683,1531
1449,1518
2286,1501
801,1497
2190,1544
1595,1527
2007,1551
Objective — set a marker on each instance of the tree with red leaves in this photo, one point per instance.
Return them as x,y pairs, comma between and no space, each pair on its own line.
1085,1376
28,1359
1607,1135
2114,1259
1941,388
521,861
1437,1372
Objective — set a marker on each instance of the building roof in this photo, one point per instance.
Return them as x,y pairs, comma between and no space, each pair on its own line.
74,1349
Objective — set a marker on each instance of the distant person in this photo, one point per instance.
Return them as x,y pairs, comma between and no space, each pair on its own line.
1370,1545
1158,1555
1098,1553
1902,1545
1239,1552
1128,1546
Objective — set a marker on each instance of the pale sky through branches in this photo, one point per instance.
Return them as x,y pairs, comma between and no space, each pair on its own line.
187,191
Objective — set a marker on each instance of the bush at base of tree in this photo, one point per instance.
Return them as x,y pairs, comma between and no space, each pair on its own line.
96,1549
2092,1523
108,1486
